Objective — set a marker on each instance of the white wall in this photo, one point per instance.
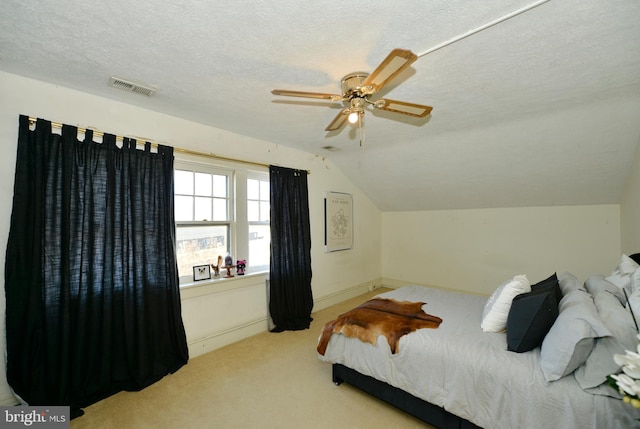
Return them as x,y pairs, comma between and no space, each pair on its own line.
472,250
336,276
476,250
630,209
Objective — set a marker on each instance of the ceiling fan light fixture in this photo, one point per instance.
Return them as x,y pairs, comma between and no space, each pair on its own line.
353,117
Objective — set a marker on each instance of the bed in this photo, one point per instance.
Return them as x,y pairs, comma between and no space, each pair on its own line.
458,376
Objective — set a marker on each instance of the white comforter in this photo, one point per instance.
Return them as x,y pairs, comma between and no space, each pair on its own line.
471,374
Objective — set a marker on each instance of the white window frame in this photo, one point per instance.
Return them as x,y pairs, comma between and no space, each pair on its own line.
265,178
238,219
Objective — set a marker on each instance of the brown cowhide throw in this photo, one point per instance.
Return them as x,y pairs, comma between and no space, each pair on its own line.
376,317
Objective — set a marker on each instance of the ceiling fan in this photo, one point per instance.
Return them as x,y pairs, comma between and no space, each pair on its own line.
358,87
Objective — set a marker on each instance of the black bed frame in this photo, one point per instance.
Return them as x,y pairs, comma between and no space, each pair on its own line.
425,411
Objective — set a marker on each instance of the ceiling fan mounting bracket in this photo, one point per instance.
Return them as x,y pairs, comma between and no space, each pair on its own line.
352,83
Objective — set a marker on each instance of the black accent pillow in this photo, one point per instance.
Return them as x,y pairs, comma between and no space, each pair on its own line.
636,257
532,315
549,282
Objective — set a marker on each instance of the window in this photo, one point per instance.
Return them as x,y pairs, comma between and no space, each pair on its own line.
258,215
203,226
201,196
220,212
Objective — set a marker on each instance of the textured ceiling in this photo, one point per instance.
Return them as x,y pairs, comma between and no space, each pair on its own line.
541,109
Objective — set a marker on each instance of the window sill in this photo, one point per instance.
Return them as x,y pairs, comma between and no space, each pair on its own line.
221,284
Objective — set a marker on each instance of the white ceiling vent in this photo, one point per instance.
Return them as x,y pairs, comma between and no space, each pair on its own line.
129,86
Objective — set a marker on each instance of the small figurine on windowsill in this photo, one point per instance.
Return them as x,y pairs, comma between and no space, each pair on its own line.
228,265
216,268
241,264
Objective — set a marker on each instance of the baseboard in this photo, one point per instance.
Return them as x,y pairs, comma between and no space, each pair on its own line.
220,339
395,283
343,295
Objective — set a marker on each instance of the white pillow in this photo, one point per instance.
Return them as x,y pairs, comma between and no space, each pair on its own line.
621,276
635,280
634,296
496,310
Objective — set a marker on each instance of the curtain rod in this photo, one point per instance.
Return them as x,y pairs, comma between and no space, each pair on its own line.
58,125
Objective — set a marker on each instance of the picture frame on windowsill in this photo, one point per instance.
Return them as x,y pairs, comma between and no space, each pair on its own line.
201,272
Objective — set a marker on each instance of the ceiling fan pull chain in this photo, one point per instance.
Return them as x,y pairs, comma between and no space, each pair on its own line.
360,116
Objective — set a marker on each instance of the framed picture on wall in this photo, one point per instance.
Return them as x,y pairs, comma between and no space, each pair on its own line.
338,221
201,272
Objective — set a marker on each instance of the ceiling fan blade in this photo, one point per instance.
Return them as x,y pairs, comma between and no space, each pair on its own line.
288,93
403,107
396,62
338,121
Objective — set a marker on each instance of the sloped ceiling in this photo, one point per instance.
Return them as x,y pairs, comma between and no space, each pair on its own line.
540,109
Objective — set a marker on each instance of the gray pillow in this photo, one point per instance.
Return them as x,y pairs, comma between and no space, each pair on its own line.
596,284
600,362
568,282
571,339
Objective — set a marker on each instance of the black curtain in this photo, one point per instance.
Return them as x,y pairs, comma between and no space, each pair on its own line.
290,296
91,283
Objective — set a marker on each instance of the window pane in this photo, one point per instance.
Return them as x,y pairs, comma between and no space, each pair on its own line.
220,186
183,208
265,207
203,184
220,211
253,189
199,245
253,211
184,182
264,190
259,245
202,209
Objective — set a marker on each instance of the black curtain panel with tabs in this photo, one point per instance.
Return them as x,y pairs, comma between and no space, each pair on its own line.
91,283
290,296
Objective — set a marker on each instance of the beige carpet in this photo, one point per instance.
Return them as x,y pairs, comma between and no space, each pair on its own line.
266,381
